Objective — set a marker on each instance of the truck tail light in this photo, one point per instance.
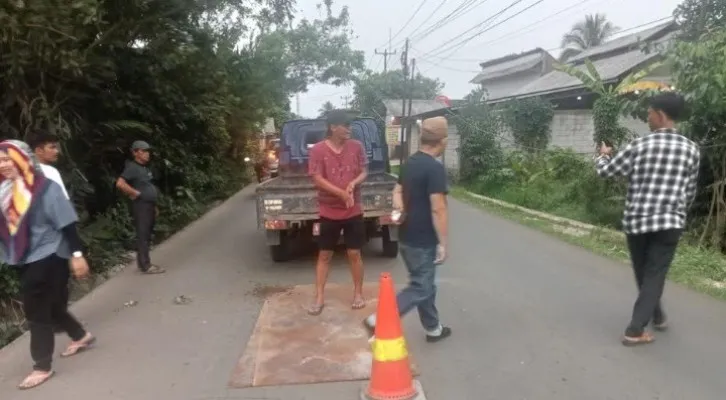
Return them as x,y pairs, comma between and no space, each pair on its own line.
385,220
275,224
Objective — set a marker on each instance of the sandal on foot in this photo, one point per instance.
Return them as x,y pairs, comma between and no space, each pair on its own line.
645,338
35,379
359,304
316,309
79,346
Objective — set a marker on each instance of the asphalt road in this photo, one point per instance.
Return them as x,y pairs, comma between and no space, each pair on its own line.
533,318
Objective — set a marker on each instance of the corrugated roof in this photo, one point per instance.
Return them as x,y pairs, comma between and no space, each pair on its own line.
623,42
509,67
610,68
393,106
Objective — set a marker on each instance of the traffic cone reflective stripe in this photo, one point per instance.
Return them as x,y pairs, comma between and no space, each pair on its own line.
387,350
391,377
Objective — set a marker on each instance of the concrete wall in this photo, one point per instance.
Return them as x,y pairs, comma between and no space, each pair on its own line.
574,129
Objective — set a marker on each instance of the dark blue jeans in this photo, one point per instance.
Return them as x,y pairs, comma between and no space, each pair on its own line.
421,290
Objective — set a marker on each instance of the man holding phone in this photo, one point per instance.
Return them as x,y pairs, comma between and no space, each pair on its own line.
662,171
420,197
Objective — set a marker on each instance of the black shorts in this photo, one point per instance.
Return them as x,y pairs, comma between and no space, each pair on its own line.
354,233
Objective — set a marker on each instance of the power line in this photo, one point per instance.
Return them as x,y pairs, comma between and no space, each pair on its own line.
553,48
466,5
446,45
463,42
409,19
427,17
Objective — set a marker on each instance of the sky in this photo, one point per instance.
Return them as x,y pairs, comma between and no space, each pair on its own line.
438,54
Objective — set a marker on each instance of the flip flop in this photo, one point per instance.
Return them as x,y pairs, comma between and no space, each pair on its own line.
316,309
79,347
31,382
359,304
645,338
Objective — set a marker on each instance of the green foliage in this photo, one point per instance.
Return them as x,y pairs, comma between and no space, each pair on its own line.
606,113
372,88
479,128
696,17
611,103
325,109
558,181
529,121
593,31
197,79
698,71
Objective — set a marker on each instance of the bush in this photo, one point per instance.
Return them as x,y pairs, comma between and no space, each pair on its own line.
560,182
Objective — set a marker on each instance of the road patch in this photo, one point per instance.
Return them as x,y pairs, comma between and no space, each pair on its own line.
288,346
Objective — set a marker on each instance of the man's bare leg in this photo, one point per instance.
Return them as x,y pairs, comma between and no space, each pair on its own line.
322,268
355,260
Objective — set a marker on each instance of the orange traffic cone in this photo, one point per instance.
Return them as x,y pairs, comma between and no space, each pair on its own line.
391,377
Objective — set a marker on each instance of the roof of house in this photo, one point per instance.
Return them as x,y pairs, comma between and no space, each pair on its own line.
613,60
394,106
510,64
626,41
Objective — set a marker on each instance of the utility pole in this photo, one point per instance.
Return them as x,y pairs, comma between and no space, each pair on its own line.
345,99
409,126
387,52
404,68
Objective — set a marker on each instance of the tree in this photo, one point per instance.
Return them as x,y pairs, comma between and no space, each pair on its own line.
530,122
610,104
593,31
698,71
372,88
194,78
326,108
696,17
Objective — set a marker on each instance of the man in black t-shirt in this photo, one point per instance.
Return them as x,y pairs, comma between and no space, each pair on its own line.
136,181
421,197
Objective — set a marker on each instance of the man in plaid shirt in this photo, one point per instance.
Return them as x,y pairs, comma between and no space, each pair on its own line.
662,171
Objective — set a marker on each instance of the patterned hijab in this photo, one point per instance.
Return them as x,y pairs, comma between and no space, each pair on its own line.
17,198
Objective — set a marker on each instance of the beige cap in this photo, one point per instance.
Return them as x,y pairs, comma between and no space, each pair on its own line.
433,129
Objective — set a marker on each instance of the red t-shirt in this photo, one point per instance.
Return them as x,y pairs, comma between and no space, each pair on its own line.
339,169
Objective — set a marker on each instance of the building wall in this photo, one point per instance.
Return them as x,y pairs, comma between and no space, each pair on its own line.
574,129
570,129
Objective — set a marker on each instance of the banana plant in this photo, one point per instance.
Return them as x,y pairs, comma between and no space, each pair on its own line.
592,79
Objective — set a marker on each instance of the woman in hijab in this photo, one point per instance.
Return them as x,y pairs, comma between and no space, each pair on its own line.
38,237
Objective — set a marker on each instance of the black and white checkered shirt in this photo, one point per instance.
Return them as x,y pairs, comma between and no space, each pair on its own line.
662,171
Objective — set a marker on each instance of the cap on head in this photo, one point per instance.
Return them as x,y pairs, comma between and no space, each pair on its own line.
140,145
433,130
338,117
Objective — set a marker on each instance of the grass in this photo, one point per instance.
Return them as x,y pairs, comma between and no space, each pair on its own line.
700,269
395,169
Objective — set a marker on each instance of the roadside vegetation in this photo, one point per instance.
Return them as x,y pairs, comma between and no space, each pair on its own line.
196,79
564,183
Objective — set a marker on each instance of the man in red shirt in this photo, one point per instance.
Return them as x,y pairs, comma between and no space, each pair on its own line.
338,166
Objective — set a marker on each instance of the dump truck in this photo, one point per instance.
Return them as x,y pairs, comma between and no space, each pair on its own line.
287,206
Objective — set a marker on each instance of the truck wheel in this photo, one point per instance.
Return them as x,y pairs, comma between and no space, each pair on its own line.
280,252
390,247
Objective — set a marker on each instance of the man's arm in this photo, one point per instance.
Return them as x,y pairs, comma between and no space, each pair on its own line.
437,190
620,165
693,180
122,183
363,166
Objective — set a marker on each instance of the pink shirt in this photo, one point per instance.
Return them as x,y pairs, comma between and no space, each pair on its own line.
339,169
